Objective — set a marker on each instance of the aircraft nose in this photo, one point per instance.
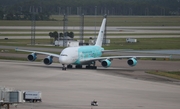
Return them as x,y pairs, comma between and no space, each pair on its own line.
63,60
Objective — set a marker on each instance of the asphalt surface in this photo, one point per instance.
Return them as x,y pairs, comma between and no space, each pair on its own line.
117,87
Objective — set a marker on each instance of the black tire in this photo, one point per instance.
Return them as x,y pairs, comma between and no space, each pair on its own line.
87,67
78,66
69,66
94,67
63,68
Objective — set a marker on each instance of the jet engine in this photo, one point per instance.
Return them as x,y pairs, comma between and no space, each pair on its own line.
132,62
32,57
48,60
106,63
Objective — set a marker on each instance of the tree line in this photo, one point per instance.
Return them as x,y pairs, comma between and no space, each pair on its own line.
42,9
59,36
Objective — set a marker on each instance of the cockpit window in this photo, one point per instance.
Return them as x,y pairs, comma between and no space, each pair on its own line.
63,54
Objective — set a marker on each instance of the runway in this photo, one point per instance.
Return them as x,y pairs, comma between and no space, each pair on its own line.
76,88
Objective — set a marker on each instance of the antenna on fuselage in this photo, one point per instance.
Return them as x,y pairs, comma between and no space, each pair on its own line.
99,40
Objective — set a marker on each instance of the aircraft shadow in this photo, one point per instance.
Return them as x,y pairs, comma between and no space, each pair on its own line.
98,68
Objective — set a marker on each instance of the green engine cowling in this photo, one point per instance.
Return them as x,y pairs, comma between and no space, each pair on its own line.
106,63
132,62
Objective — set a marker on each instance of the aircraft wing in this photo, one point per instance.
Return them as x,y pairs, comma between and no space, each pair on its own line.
39,52
122,57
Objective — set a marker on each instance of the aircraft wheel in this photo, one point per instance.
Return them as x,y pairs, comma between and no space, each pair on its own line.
79,66
69,66
87,67
64,68
94,67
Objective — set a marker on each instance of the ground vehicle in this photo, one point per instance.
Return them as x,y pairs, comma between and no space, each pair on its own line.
94,103
32,96
131,40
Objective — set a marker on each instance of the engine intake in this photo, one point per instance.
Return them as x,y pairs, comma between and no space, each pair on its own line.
106,63
48,60
132,62
32,57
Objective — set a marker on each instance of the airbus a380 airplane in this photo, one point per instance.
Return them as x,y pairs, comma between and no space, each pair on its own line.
85,55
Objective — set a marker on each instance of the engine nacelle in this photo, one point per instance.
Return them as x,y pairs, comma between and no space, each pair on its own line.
32,57
106,63
48,60
132,62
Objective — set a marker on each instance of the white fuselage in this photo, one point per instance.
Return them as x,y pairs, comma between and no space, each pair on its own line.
69,55
75,55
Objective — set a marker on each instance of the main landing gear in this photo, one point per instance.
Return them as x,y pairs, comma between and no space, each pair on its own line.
91,67
69,66
79,67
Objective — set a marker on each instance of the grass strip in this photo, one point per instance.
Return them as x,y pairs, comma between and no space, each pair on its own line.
13,58
116,43
112,21
17,58
170,74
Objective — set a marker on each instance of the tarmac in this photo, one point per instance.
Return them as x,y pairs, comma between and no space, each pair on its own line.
116,87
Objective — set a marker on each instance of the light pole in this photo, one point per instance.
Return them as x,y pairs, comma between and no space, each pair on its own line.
33,25
113,11
178,6
130,11
146,11
95,13
59,10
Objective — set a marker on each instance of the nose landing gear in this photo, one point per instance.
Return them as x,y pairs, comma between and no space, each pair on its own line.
64,67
